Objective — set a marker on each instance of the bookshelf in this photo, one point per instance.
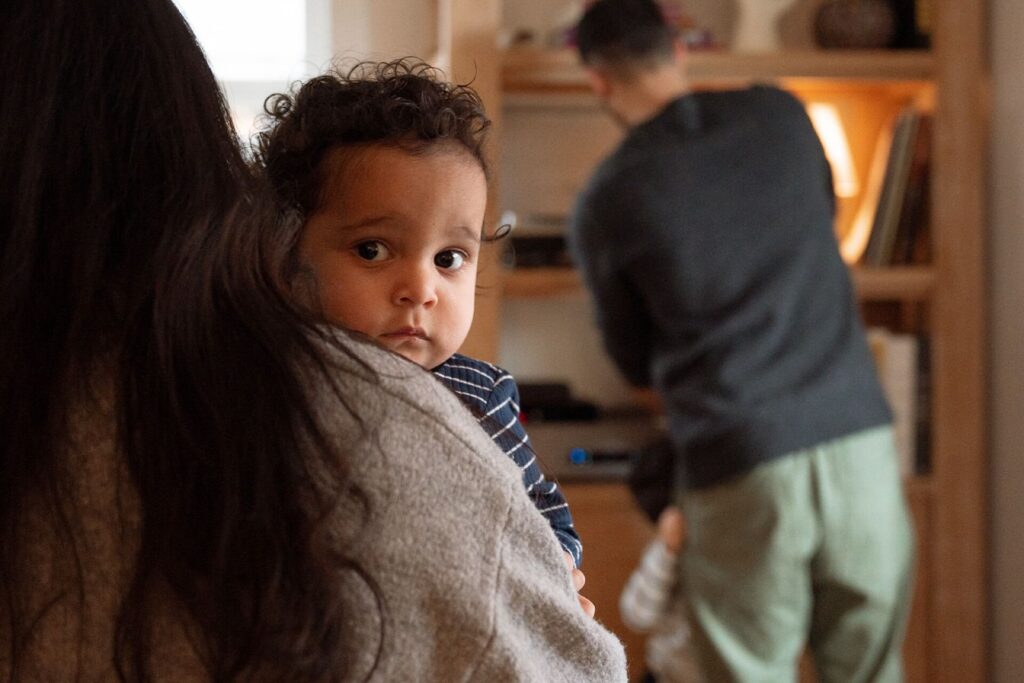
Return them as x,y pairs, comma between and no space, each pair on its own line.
947,638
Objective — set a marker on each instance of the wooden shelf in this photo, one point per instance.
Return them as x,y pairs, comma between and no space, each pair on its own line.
531,69
539,283
903,283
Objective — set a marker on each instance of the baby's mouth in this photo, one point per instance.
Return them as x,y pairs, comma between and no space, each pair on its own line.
407,333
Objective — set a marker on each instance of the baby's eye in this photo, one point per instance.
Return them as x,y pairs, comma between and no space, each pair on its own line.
372,250
450,259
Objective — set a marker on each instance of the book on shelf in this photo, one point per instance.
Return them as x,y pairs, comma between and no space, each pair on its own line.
912,240
899,196
898,361
913,23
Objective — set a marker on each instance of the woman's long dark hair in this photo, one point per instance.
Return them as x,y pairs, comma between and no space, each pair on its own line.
131,238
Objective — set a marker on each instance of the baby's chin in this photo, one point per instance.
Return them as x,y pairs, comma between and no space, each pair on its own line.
427,358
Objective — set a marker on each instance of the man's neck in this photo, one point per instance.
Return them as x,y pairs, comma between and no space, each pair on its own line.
648,93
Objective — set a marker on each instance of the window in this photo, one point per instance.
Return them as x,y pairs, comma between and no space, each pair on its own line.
258,47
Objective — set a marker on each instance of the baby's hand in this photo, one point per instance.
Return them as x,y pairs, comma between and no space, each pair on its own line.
672,529
578,579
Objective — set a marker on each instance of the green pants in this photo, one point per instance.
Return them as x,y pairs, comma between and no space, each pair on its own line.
813,549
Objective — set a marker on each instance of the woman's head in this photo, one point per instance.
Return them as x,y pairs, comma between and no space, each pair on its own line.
116,148
384,168
133,245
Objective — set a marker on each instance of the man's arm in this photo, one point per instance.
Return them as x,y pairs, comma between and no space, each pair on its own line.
619,308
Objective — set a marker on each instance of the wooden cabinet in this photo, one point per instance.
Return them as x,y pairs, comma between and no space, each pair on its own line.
945,299
614,534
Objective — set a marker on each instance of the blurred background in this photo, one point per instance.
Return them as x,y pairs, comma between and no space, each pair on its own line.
918,104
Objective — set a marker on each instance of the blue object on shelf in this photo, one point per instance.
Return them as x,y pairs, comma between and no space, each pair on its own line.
579,456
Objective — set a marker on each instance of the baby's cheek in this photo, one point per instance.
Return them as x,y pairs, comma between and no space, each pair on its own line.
334,305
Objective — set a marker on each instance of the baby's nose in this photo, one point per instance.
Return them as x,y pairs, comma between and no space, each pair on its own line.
417,287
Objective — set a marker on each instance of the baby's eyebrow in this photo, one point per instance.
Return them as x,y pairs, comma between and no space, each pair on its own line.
466,232
369,222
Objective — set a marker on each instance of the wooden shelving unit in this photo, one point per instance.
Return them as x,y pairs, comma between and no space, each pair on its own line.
947,638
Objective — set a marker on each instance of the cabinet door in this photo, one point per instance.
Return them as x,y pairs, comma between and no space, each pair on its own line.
614,534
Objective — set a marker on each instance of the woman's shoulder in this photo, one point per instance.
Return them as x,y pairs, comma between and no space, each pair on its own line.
371,385
441,513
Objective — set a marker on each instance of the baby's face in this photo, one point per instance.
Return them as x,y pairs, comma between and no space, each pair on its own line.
395,244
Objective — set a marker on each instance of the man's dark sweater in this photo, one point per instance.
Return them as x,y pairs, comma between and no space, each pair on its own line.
706,239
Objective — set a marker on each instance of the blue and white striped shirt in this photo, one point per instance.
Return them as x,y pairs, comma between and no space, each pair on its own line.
492,395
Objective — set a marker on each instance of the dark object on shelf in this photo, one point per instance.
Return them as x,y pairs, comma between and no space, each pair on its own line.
855,24
538,251
912,30
531,393
552,402
586,464
583,456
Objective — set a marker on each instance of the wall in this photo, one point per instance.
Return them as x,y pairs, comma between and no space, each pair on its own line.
555,339
1007,334
384,29
795,25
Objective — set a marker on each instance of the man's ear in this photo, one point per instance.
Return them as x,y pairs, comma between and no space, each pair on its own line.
599,82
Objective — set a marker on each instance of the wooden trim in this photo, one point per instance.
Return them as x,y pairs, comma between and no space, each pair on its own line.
960,546
472,29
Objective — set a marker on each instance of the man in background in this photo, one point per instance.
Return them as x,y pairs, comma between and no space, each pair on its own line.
706,240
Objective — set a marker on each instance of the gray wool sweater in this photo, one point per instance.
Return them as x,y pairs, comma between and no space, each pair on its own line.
474,583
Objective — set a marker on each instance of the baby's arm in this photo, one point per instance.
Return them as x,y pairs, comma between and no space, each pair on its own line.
501,421
545,494
648,593
491,393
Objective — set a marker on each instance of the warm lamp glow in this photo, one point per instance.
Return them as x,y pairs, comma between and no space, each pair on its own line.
825,118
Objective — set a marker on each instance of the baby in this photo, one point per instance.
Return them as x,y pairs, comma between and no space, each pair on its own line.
385,168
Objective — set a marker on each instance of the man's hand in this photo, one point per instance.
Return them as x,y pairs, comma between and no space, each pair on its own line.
578,579
672,529
649,400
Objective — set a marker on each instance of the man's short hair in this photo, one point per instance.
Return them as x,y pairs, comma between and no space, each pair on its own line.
624,35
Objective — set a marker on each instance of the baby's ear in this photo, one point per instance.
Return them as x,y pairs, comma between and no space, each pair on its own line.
500,233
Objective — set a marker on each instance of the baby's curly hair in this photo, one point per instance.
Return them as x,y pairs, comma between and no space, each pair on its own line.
403,103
